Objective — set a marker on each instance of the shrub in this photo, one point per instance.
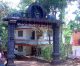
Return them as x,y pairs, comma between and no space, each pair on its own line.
46,52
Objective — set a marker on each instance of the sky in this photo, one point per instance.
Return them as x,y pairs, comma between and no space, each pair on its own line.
69,10
12,3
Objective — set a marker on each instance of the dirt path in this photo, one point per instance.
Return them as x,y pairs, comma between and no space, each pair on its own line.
36,62
30,63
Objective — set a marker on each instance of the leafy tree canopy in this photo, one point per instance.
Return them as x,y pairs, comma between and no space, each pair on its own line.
49,4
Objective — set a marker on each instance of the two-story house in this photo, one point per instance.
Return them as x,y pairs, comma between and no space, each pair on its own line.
29,37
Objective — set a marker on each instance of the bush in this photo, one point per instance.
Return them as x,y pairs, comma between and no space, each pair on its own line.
46,52
65,50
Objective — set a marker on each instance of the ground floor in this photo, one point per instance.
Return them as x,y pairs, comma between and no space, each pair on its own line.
28,49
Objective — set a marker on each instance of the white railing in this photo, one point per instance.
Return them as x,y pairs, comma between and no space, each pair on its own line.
23,41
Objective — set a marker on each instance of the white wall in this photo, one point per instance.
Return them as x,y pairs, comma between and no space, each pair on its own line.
26,50
26,34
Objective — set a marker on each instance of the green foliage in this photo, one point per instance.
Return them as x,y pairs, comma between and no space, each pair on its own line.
67,40
67,31
3,10
74,24
3,27
46,52
4,35
65,51
24,3
49,4
67,34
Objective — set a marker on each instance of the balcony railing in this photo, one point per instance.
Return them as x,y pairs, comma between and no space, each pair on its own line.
23,41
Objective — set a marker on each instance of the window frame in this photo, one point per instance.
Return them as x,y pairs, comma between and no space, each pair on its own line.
20,48
20,34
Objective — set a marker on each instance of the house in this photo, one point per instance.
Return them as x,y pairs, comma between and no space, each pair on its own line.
27,38
75,41
30,38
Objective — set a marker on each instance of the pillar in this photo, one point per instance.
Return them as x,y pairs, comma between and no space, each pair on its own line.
56,44
11,44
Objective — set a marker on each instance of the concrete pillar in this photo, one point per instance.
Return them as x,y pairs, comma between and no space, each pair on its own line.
11,44
56,43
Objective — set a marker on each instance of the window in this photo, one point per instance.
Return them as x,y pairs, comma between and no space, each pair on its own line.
33,35
20,33
20,48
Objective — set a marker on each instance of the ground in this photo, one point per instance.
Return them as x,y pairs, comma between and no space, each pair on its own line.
37,62
29,61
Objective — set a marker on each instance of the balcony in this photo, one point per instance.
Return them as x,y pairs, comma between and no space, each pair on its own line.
23,41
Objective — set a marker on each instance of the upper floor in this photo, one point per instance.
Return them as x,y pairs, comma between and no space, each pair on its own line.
33,35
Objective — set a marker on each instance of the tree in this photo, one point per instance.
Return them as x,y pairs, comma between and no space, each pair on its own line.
3,35
24,4
3,10
3,27
67,33
53,4
76,22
